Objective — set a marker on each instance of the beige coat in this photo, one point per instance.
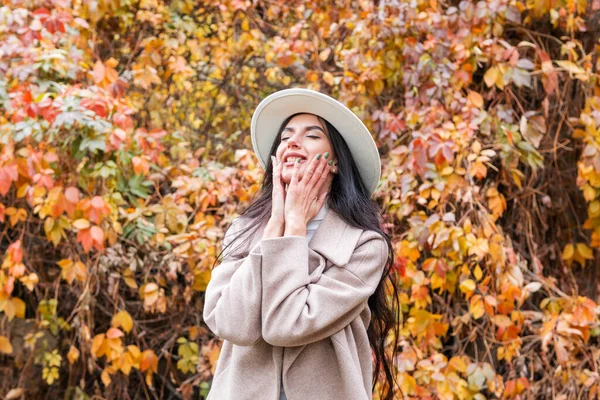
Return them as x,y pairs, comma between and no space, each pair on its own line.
297,308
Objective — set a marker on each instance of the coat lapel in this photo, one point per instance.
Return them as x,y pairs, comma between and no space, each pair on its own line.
335,239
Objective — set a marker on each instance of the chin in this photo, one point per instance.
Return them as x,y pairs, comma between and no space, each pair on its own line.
285,178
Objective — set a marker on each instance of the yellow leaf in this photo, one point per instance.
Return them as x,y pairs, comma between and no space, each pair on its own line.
491,75
122,319
467,286
72,271
105,376
477,272
5,345
201,280
50,374
81,223
571,67
568,252
129,279
73,354
29,281
476,307
15,307
584,251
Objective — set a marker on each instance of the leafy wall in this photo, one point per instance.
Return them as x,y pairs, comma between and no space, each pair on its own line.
124,155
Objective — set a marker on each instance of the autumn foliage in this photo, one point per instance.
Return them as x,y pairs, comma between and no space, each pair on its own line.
124,155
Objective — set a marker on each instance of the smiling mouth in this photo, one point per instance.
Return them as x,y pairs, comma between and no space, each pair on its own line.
291,163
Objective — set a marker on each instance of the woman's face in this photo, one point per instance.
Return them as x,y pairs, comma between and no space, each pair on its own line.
303,137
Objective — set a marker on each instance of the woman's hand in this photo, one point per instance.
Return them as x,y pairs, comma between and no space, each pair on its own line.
302,200
276,224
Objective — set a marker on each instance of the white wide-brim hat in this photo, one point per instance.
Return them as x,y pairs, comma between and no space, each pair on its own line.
276,108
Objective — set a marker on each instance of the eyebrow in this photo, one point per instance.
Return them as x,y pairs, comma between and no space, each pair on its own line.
309,128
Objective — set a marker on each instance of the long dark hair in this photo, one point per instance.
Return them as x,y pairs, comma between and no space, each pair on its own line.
351,200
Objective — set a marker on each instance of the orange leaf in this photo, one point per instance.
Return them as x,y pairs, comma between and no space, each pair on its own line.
105,376
5,345
98,345
149,361
85,238
475,99
150,294
114,333
98,72
73,354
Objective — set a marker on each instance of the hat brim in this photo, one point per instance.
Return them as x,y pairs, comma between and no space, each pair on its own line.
274,109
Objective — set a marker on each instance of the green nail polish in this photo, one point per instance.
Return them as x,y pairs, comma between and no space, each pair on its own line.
327,155
330,162
299,159
319,156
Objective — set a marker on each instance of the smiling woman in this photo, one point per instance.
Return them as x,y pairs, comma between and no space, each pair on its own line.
304,136
300,295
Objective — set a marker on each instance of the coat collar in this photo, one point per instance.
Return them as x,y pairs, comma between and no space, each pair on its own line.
335,239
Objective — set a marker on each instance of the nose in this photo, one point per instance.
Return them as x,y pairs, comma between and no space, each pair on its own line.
293,141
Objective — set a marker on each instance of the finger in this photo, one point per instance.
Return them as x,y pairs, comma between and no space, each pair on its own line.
322,178
310,169
274,164
294,180
317,175
276,175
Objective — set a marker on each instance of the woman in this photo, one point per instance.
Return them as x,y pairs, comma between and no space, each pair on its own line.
299,297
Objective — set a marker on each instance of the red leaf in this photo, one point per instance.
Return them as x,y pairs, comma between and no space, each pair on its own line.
97,234
8,174
99,72
85,238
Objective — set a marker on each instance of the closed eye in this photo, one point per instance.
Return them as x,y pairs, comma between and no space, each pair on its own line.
310,136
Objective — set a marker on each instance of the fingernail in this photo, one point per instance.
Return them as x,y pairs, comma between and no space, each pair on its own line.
299,159
319,156
330,162
327,155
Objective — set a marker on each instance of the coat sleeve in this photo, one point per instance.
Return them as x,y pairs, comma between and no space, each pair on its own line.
295,311
232,302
